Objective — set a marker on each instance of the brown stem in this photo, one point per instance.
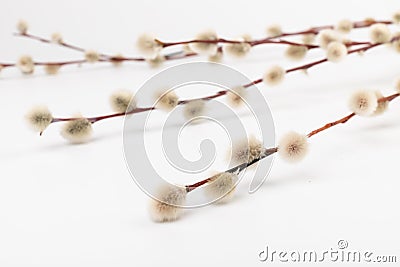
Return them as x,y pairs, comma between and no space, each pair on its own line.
331,124
348,117
44,40
270,40
388,98
226,41
109,116
173,56
104,57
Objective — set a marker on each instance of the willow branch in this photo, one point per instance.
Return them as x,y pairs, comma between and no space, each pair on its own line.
348,117
270,151
272,40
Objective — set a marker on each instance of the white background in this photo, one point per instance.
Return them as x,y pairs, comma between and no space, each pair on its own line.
76,205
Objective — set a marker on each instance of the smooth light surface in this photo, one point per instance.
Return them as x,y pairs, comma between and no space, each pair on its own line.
76,205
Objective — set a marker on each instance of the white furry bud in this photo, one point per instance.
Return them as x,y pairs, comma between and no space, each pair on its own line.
363,103
186,49
380,33
205,48
308,38
77,131
238,50
39,118
325,37
247,150
293,147
91,56
166,100
194,109
217,57
397,86
26,65
56,38
221,187
148,45
344,26
296,52
122,101
274,30
396,43
168,208
274,75
157,61
22,26
52,69
396,17
336,51
236,95
382,106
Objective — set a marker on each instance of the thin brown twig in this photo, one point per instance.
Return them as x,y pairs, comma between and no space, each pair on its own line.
102,57
227,41
348,117
45,40
114,59
272,40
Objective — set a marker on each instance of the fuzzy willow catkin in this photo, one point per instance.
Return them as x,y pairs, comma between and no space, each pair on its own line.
274,75
336,51
166,100
236,96
122,101
363,103
205,47
380,33
194,109
222,187
247,150
344,26
326,37
293,147
25,64
77,131
148,45
167,205
39,118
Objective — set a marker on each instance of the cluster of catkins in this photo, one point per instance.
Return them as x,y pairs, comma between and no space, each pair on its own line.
292,147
